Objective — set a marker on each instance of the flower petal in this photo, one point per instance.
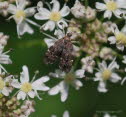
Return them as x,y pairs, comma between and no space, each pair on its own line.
23,28
30,11
5,91
115,78
62,24
56,5
12,9
80,73
100,6
102,87
43,15
112,39
16,84
50,25
21,95
64,91
31,94
66,114
77,84
24,75
65,11
21,4
108,14
55,90
49,42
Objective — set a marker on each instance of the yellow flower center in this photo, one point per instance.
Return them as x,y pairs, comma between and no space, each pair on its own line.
26,87
20,14
121,38
111,5
55,16
69,78
2,84
106,74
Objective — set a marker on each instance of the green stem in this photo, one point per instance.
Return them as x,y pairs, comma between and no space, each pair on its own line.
86,3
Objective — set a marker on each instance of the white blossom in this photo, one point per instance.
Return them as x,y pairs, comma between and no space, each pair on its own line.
106,73
65,114
27,88
119,37
55,16
112,6
20,15
67,80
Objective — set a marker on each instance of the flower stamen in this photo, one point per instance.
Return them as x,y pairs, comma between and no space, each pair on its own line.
26,87
111,5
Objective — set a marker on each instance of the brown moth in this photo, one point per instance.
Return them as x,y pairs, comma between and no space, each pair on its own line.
62,50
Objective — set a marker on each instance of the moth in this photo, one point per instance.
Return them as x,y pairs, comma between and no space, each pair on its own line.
62,50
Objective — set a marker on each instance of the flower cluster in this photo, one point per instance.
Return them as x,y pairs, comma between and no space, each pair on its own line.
86,45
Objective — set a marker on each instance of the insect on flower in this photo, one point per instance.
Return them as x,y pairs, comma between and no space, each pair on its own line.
63,50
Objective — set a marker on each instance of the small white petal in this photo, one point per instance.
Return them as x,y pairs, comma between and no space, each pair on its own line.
100,6
55,90
124,30
12,9
80,73
31,94
102,87
120,47
64,91
16,84
113,65
24,75
43,15
65,11
115,78
5,91
56,5
77,84
112,39
108,14
50,25
22,4
39,6
23,27
62,24
29,11
118,13
21,95
66,114
49,42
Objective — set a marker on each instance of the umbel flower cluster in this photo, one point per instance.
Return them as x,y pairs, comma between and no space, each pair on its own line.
86,46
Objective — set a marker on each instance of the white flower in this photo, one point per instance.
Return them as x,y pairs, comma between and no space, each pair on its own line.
67,80
3,39
106,73
88,64
20,15
27,88
111,6
3,84
4,58
65,114
107,115
78,10
124,59
106,53
3,8
55,16
119,37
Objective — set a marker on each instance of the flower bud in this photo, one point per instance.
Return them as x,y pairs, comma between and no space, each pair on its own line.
78,10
